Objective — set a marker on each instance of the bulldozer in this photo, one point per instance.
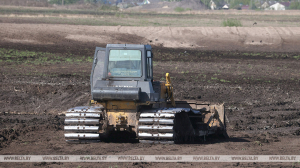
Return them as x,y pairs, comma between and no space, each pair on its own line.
127,101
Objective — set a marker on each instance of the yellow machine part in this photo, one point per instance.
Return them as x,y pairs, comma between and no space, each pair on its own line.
122,119
170,89
121,115
117,105
216,117
121,105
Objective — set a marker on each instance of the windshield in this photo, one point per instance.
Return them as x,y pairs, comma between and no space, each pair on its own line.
125,63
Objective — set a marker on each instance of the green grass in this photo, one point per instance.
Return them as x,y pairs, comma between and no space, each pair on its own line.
232,23
162,79
97,11
179,9
296,57
223,80
119,15
185,72
39,58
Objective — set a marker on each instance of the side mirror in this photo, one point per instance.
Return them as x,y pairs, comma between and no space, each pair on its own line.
149,54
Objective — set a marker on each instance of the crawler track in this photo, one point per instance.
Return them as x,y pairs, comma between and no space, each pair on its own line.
83,124
159,126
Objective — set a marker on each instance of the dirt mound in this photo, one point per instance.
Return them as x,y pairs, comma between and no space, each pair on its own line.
14,126
261,39
44,96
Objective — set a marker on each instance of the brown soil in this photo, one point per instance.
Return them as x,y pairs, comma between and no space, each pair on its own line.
259,88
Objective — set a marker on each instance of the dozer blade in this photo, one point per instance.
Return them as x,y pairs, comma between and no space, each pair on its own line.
213,115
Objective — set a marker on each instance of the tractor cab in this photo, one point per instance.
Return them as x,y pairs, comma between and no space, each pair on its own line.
124,72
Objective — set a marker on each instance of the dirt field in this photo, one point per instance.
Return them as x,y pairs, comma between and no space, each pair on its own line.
254,71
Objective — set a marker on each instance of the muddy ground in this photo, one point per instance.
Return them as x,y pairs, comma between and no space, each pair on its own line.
260,90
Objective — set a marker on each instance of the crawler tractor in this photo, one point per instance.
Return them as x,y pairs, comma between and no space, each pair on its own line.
126,99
